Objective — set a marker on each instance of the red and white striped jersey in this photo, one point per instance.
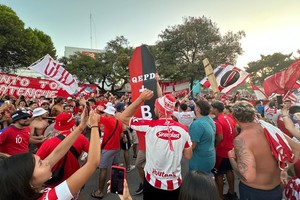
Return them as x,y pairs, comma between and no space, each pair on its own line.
165,141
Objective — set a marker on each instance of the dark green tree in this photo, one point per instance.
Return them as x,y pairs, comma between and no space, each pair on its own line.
268,65
181,48
108,69
20,47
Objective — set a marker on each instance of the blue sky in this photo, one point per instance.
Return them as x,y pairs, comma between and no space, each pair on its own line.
270,25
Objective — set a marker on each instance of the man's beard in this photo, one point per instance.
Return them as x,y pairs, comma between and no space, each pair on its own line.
26,123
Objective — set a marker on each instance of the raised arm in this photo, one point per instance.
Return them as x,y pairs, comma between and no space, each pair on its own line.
289,125
65,145
125,116
81,176
159,90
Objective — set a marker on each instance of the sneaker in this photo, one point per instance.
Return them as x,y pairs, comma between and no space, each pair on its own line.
140,189
230,196
130,168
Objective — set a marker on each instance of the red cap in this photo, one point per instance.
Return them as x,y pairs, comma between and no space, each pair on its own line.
165,104
64,121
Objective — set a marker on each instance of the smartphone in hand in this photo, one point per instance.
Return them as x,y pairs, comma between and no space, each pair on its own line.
279,102
117,177
88,107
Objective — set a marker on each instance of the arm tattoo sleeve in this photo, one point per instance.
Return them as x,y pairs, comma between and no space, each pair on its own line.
242,157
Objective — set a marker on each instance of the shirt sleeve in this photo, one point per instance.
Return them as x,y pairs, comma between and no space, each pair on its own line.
188,143
61,192
219,129
176,114
196,132
139,124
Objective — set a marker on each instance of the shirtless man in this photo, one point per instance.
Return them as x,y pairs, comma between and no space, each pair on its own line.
37,127
252,157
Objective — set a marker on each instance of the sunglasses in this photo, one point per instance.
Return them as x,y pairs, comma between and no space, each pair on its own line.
25,118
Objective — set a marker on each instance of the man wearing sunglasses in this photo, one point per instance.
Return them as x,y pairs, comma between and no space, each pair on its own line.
14,139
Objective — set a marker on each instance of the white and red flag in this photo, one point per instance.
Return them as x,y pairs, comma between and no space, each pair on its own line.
293,96
259,93
52,69
228,77
283,81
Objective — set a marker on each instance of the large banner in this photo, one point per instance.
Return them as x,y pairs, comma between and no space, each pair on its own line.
142,72
283,81
53,70
177,88
228,77
13,85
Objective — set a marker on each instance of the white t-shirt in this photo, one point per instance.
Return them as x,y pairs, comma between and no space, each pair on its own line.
185,118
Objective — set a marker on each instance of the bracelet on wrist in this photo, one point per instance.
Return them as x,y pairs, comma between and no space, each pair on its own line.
94,126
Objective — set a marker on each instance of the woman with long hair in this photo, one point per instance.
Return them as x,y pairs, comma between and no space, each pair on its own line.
197,185
22,176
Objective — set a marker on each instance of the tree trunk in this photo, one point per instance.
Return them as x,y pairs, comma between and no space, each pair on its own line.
191,87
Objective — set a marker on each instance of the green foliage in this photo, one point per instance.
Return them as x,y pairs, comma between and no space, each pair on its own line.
268,65
109,69
20,47
181,48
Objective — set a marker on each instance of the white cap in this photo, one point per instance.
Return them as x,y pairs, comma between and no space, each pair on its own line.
110,110
38,112
69,98
109,104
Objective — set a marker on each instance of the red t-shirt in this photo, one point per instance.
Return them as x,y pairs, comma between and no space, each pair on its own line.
228,130
101,103
71,165
14,141
109,126
141,138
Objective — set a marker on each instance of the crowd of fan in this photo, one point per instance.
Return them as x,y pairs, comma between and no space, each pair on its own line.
209,141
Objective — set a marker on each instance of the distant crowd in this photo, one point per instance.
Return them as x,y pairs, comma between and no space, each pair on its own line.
61,140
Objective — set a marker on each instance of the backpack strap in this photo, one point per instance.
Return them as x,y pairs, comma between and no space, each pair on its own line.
72,149
103,144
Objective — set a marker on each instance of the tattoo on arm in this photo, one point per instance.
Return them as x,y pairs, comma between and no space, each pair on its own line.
242,157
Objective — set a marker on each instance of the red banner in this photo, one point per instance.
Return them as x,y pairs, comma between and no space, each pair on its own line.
283,81
13,85
179,88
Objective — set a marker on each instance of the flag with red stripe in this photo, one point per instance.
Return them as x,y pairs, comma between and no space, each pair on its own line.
228,77
142,72
283,81
293,96
259,93
52,69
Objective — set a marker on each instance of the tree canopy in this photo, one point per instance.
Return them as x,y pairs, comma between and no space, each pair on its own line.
181,48
109,68
268,65
20,47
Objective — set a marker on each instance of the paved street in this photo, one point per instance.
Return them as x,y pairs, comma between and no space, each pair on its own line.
133,182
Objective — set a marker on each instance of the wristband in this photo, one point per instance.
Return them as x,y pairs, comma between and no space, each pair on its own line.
94,126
